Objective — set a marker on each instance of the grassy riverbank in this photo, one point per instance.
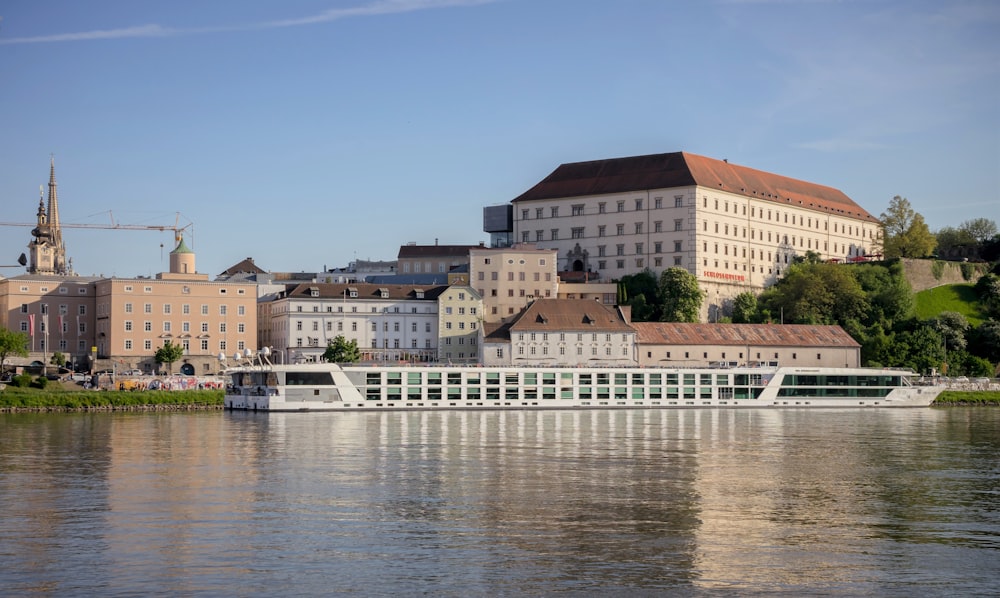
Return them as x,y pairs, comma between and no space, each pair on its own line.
33,399
950,398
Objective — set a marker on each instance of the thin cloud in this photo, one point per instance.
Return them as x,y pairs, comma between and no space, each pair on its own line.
840,145
383,7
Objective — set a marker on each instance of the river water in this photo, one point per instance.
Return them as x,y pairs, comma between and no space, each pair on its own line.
691,502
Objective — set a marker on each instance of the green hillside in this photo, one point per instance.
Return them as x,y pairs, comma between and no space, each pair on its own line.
959,298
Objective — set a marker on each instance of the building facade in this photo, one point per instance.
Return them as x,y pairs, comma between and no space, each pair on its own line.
675,344
735,228
460,311
567,332
431,259
136,316
388,322
509,278
56,312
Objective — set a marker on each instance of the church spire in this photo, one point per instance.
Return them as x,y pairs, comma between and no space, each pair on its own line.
48,254
59,257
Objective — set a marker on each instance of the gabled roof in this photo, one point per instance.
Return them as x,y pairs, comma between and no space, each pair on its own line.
432,251
757,335
364,291
244,267
569,315
681,169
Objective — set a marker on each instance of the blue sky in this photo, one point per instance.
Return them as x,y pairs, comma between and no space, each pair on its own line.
309,133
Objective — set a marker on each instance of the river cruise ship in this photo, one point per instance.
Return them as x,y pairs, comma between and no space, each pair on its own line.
263,386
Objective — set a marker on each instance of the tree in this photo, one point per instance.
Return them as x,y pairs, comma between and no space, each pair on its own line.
905,232
988,289
919,349
681,296
813,293
12,344
952,327
951,240
985,340
641,311
58,359
640,291
991,249
979,229
168,354
890,297
340,350
744,307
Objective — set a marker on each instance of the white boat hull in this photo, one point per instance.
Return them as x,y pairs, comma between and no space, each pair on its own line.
328,387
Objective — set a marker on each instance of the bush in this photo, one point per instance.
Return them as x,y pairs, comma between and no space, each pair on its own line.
969,271
21,380
40,382
937,269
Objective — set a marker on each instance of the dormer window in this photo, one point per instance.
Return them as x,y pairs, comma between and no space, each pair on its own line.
313,292
383,293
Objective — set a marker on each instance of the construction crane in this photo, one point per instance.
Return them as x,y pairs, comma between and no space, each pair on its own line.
113,225
176,227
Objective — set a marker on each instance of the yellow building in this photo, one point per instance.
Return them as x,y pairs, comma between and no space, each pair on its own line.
509,278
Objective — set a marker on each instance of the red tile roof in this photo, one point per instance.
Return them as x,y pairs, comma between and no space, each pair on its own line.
682,169
784,335
577,315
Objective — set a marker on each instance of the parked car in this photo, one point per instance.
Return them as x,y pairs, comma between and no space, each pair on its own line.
132,373
79,376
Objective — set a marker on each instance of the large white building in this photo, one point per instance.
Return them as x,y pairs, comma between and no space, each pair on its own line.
388,322
735,228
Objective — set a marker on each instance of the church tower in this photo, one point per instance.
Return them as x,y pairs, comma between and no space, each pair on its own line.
48,254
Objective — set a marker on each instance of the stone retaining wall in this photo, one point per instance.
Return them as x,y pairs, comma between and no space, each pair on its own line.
922,273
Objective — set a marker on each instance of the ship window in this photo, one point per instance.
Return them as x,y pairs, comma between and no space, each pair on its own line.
309,379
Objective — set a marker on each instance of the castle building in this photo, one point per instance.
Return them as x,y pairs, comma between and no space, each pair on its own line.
735,228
